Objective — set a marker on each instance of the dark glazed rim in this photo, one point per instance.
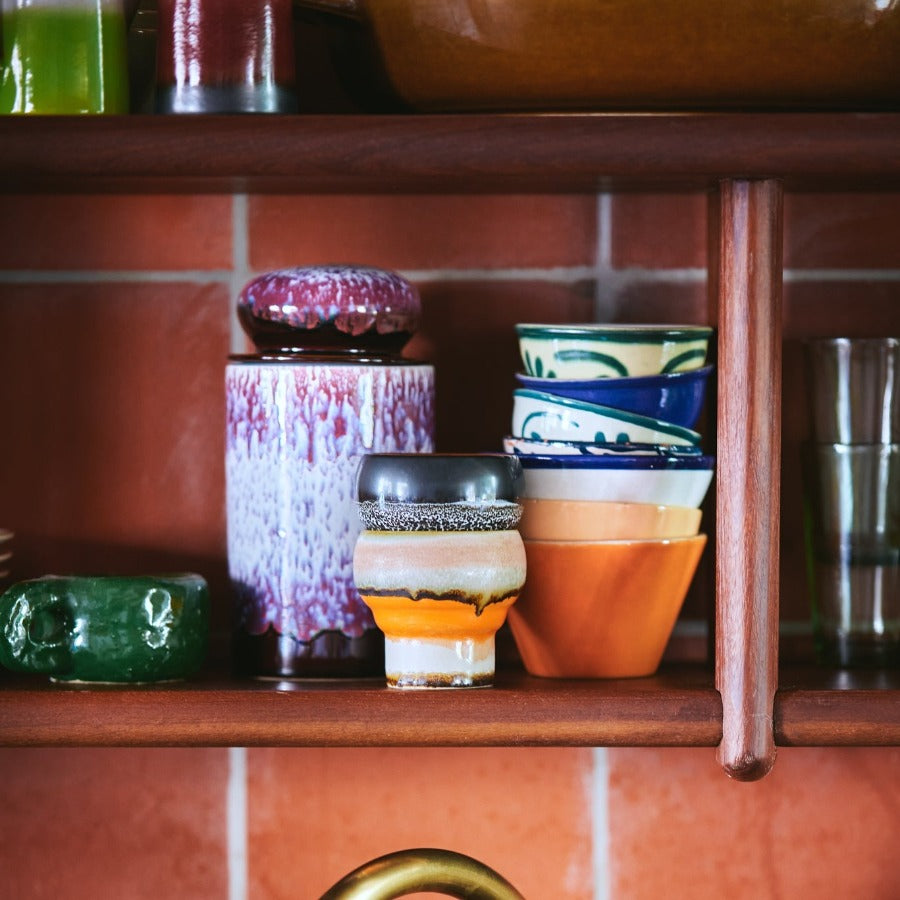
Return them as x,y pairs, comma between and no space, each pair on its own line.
325,359
617,332
613,461
440,478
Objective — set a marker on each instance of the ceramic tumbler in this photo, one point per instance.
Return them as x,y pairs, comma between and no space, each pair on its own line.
440,562
64,57
326,386
225,56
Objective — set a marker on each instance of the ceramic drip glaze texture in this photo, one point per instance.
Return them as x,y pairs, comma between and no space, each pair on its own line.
349,308
440,563
106,629
298,424
440,597
290,469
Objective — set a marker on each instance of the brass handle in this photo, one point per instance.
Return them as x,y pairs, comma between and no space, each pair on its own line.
424,869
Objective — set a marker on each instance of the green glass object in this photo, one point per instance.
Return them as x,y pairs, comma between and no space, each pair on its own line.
64,57
106,629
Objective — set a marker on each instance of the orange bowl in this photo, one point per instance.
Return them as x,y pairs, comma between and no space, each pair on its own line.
599,520
601,609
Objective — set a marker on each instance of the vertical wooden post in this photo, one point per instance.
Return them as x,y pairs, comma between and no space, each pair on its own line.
747,279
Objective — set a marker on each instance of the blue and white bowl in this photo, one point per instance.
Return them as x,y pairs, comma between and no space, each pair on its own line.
532,447
676,397
611,350
545,417
663,480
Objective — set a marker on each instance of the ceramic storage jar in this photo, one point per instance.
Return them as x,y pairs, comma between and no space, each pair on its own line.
326,386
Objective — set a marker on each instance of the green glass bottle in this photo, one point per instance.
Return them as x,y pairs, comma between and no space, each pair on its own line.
63,57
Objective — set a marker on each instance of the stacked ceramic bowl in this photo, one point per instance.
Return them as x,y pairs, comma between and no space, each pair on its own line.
603,422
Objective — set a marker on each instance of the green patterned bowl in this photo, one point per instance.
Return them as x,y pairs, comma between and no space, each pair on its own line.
611,351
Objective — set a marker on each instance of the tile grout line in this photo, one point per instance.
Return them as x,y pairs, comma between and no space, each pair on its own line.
537,273
238,838
113,276
600,855
240,265
603,262
241,272
236,812
604,232
599,755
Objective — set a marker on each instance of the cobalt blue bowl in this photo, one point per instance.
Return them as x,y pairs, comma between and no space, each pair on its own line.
676,398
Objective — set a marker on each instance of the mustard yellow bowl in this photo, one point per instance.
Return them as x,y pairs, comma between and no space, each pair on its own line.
586,520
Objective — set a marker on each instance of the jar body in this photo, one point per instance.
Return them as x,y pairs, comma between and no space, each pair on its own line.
296,432
225,56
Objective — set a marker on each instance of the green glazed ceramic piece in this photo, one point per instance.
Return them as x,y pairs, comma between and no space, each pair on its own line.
121,629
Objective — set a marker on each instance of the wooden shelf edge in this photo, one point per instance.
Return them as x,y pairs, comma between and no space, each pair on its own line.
837,719
680,709
394,153
818,707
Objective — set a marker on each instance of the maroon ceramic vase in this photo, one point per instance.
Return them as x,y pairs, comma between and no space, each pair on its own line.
326,387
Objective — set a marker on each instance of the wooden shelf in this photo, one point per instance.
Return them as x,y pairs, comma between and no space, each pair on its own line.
745,161
531,153
677,707
821,707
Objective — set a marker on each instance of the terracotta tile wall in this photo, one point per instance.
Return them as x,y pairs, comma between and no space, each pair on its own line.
115,322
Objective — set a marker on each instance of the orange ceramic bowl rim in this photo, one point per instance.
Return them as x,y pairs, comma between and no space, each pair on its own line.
601,609
604,520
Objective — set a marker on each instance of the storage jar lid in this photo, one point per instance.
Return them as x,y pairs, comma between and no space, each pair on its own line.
335,308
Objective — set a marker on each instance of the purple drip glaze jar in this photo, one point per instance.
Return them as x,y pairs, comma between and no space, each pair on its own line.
326,386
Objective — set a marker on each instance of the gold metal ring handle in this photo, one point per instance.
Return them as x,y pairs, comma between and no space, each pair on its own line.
424,869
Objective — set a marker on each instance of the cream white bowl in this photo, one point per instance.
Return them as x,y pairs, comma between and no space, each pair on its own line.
667,482
546,417
611,350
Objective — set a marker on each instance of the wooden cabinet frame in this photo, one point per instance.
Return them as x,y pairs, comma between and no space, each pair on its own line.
745,162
